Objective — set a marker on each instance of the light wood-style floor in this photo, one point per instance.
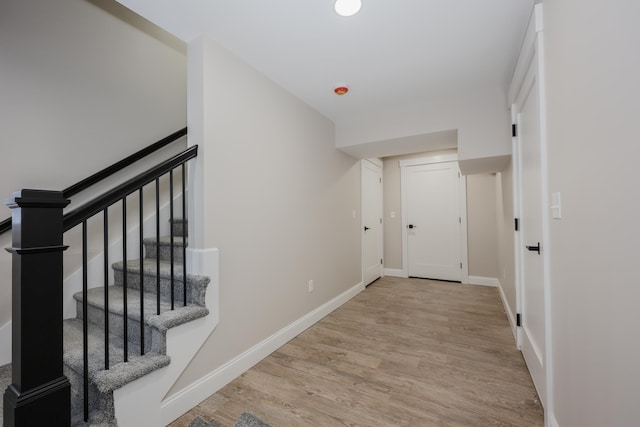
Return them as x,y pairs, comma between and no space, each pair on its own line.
405,352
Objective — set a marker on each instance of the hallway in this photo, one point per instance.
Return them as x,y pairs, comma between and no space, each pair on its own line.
403,352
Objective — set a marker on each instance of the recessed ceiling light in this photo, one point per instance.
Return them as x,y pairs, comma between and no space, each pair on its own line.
347,7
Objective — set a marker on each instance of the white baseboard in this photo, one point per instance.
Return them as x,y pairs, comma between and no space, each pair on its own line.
507,310
394,272
5,344
551,419
483,281
186,399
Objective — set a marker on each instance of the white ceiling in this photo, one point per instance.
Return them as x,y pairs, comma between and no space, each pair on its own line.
394,52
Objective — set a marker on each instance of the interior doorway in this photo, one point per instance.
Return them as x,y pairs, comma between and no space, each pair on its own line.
372,249
434,220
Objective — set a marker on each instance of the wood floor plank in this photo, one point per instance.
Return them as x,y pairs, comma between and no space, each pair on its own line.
405,352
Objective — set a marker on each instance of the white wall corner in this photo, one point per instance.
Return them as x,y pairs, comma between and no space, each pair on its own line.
394,272
189,397
204,262
5,344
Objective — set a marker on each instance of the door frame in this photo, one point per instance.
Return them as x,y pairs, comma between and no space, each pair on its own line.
462,194
532,55
379,165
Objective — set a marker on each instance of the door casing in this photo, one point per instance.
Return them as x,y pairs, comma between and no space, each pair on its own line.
377,166
463,210
532,57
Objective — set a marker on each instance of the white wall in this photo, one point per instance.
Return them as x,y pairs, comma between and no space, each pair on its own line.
481,119
593,87
277,198
482,226
81,89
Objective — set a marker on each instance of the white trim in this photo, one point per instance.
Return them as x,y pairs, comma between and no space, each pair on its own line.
5,344
394,272
189,397
527,51
533,46
378,166
510,317
553,422
464,238
464,251
483,281
546,210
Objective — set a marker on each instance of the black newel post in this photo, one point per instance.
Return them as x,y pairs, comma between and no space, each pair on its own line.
40,393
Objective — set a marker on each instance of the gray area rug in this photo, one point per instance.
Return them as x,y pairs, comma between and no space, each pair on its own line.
245,420
5,380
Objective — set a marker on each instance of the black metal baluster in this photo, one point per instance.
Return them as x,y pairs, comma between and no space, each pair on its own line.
184,238
141,276
158,245
106,287
124,279
85,324
171,234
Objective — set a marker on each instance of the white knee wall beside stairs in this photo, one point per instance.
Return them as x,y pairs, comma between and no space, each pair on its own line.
141,402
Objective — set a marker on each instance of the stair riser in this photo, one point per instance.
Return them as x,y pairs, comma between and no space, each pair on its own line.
165,252
100,404
178,225
195,294
154,340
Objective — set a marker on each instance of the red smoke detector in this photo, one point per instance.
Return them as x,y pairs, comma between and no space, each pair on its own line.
341,90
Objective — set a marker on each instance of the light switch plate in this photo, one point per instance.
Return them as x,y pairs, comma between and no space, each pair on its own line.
556,206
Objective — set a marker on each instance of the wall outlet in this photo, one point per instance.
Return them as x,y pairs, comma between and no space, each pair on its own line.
311,286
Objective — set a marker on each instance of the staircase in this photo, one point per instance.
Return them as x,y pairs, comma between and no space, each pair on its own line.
145,339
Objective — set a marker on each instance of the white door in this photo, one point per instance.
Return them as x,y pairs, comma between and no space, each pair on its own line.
372,266
532,277
433,221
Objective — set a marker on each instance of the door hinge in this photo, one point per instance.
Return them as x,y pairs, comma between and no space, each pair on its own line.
460,266
380,260
514,130
516,222
460,220
380,180
380,220
518,320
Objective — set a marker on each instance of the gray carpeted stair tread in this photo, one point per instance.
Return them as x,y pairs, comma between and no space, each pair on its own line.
165,320
150,270
119,373
196,285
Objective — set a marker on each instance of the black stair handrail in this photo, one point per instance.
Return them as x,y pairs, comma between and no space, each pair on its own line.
41,233
98,204
110,170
